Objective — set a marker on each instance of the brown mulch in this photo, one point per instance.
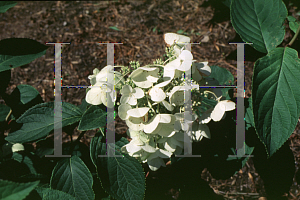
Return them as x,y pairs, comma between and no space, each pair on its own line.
141,27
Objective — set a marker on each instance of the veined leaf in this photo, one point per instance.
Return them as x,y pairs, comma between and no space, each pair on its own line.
259,22
276,97
122,177
72,176
94,117
15,191
38,121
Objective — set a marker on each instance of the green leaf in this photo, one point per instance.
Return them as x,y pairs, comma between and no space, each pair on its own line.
227,3
276,97
293,23
83,106
5,5
4,110
27,93
259,22
50,194
15,191
72,176
94,117
15,52
122,177
222,75
249,118
38,121
26,160
114,28
180,31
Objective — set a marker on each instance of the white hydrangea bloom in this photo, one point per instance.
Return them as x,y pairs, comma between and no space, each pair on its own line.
176,95
171,38
161,124
217,112
182,63
97,95
130,95
182,121
173,143
199,131
144,77
155,160
158,95
122,111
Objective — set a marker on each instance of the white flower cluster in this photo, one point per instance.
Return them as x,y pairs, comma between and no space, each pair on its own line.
151,104
96,94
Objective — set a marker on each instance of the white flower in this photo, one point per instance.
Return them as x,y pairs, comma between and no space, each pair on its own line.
199,131
144,77
134,118
138,112
217,113
17,147
182,63
108,73
158,95
93,77
174,142
183,120
97,95
155,160
122,111
161,124
171,38
135,146
176,95
130,95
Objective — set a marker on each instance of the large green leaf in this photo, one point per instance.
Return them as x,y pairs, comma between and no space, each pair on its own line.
259,22
222,75
5,5
15,52
38,121
72,176
122,177
94,117
50,194
276,97
15,191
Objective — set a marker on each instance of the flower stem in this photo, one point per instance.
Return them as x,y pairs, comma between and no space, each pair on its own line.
295,36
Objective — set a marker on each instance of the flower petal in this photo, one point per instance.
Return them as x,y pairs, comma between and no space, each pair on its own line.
136,124
218,112
157,94
152,124
138,112
126,90
93,96
122,111
167,105
138,93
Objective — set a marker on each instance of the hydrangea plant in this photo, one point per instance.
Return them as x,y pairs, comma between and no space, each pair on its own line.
152,103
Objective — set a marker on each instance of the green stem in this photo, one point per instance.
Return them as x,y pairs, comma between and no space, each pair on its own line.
150,104
295,36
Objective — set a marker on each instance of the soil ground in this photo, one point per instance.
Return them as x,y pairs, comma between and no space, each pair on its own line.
140,27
